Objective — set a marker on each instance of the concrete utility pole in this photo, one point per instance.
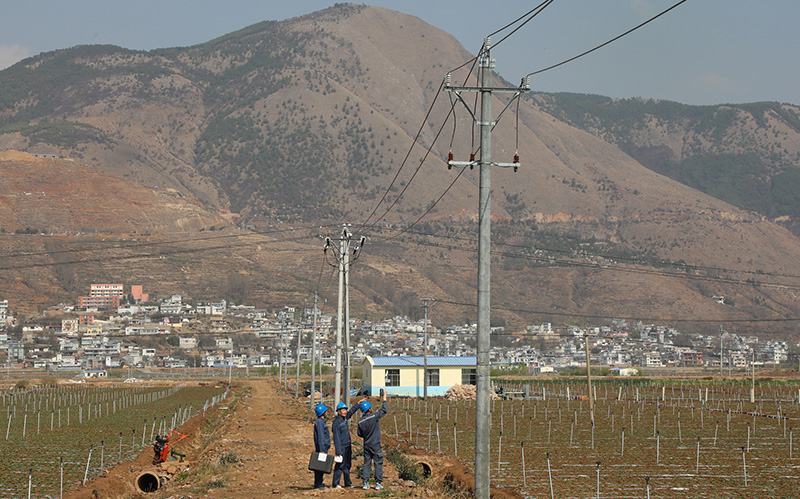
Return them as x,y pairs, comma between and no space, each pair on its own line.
344,261
589,381
338,368
346,258
314,353
425,302
297,365
486,123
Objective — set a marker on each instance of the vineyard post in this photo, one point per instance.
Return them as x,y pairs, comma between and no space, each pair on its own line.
549,428
24,424
790,442
396,434
455,441
438,440
499,452
598,479
647,485
88,460
38,420
30,481
658,447
120,448
61,482
530,427
680,435
622,447
748,437
571,431
144,431
592,424
133,443
8,427
102,454
716,428
744,467
430,432
697,463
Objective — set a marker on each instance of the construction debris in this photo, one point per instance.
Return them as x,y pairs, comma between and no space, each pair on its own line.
464,392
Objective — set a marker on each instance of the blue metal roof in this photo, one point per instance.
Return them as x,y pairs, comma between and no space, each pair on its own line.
418,361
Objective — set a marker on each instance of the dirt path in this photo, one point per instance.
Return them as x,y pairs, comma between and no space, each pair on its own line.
260,448
273,437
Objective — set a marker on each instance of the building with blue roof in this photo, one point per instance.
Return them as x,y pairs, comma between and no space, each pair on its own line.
404,375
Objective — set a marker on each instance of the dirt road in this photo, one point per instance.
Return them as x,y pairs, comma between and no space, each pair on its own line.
259,447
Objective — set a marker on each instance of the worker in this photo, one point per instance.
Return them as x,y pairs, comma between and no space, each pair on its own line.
370,430
322,440
342,445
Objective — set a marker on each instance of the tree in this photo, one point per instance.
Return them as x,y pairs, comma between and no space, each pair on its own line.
173,340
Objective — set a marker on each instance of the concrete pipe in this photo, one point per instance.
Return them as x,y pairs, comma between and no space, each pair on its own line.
147,482
425,469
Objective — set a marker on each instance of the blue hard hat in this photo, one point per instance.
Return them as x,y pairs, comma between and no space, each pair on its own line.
341,405
364,406
320,409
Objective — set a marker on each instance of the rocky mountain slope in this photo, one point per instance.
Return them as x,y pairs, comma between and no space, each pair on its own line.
308,121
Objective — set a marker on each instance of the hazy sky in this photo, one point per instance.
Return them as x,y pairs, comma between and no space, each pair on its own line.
703,52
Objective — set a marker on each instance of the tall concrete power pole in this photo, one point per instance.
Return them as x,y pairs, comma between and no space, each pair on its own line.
486,123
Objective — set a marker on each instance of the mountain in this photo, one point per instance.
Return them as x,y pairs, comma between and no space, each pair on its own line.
745,154
292,125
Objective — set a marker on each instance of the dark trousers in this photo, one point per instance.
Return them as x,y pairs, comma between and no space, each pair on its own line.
373,456
318,475
343,468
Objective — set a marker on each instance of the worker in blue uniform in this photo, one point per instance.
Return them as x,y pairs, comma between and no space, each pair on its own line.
370,430
342,445
322,440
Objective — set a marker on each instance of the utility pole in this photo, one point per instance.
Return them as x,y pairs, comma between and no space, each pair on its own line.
753,383
589,382
720,350
297,365
344,261
338,368
486,123
346,266
425,302
314,353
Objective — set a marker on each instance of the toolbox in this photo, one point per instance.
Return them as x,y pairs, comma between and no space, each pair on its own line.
320,461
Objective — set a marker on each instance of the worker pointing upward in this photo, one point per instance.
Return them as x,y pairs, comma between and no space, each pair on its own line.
370,430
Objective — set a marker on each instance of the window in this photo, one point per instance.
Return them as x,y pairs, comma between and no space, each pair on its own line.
433,377
393,377
469,376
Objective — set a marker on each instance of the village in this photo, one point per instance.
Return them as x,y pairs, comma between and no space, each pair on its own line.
110,329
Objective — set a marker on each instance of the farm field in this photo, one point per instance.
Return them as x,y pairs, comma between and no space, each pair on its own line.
83,429
650,438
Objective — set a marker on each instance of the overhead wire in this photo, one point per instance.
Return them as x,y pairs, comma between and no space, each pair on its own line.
622,317
633,260
616,268
608,42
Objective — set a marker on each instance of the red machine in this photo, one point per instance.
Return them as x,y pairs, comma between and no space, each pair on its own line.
162,446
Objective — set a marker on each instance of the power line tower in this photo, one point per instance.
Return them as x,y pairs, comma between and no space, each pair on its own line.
343,256
486,123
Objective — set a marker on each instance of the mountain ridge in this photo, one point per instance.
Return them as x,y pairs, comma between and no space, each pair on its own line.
307,121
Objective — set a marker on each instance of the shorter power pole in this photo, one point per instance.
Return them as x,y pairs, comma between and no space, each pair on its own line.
589,381
425,304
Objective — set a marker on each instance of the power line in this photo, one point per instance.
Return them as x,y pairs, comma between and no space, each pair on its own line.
136,245
633,260
608,42
615,268
622,317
